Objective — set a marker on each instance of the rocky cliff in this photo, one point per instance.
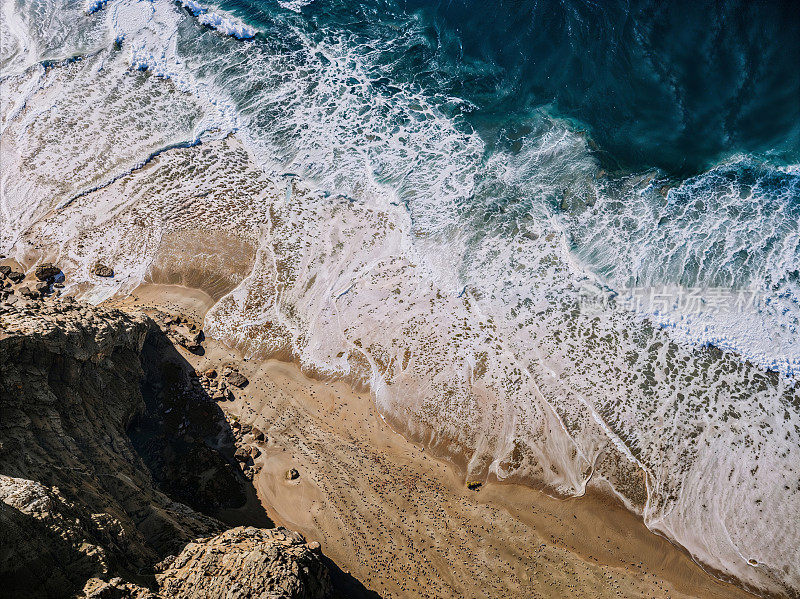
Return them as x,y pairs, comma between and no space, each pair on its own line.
81,512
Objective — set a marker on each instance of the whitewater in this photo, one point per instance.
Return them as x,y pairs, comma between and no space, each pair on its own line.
510,302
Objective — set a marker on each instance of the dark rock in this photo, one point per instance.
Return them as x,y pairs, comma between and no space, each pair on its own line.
15,276
42,287
4,271
101,270
292,474
237,379
241,455
64,417
46,270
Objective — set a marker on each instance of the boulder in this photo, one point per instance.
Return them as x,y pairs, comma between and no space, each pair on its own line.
101,270
242,454
237,379
46,270
27,292
246,562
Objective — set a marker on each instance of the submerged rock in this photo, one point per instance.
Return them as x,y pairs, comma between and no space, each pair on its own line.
101,270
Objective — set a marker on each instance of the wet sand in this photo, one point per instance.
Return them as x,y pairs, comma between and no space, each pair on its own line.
404,523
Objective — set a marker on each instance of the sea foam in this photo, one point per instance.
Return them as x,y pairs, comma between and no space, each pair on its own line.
222,23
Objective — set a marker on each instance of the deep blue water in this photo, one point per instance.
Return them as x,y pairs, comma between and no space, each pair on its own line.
674,85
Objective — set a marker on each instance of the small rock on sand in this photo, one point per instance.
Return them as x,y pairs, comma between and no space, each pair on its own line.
237,379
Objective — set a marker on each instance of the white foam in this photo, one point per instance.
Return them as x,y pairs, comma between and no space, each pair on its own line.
294,5
730,232
225,24
92,6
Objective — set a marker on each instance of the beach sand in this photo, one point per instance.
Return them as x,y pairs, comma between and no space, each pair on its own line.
403,523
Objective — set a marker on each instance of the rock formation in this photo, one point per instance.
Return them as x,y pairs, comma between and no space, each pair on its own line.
80,509
247,562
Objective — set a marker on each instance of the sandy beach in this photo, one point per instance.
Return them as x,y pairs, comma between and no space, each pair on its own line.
405,524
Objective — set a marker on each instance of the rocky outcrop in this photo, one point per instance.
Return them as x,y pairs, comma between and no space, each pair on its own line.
80,510
247,562
69,387
241,563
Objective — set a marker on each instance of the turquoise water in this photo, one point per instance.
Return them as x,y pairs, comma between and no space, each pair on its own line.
702,98
679,85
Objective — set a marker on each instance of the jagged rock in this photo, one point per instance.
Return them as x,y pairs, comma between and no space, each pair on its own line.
42,287
46,541
116,588
246,562
292,474
191,341
211,373
15,276
46,271
242,454
101,270
4,271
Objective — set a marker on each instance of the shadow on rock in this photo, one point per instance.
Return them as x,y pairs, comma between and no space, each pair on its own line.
186,441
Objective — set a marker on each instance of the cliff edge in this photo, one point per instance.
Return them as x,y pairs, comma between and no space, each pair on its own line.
81,513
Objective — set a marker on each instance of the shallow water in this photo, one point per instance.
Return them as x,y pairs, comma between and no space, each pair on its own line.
560,243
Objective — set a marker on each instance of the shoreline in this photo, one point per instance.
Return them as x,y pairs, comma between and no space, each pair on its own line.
382,506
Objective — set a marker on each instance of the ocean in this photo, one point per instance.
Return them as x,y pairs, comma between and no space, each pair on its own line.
559,241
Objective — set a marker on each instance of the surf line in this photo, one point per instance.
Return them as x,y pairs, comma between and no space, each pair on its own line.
176,146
